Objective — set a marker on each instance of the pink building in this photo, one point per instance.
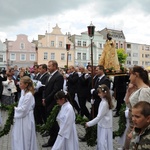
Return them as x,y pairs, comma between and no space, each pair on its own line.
20,52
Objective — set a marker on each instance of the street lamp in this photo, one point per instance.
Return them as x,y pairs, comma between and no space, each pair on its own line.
91,29
67,48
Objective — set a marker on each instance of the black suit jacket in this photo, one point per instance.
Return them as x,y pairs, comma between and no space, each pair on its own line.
83,85
54,85
38,95
105,81
72,82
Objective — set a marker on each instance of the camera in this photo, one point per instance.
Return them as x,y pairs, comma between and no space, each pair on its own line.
9,89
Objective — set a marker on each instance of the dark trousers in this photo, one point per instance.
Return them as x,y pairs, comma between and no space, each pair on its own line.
39,114
53,134
75,105
82,102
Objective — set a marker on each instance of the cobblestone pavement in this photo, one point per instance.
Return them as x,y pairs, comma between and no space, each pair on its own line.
5,141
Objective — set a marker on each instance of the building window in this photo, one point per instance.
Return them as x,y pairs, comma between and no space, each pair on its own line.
147,55
135,54
128,62
12,56
79,43
100,45
62,56
69,57
52,57
22,46
142,62
142,55
32,57
1,58
116,45
78,56
129,46
129,54
147,63
22,57
135,62
52,43
60,43
99,56
84,56
147,48
45,55
84,43
121,45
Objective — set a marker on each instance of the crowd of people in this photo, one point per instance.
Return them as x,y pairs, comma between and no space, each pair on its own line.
71,88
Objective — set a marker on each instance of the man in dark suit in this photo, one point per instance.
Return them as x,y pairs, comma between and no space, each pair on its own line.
101,79
39,110
72,81
54,84
36,75
83,91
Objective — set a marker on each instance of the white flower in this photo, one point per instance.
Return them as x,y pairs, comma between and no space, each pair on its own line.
37,84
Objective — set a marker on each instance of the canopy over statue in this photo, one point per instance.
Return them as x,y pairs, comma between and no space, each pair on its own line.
109,57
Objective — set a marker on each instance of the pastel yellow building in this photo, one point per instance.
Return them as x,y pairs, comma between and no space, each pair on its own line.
52,46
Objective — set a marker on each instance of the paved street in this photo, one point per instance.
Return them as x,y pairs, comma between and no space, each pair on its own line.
5,141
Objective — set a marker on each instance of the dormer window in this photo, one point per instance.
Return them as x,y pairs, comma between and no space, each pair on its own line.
22,46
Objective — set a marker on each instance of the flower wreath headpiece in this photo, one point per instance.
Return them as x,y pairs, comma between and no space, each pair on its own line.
103,90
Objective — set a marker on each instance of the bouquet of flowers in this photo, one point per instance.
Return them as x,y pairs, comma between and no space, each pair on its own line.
37,84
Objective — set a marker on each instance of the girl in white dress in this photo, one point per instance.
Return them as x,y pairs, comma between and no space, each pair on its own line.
67,136
23,132
104,120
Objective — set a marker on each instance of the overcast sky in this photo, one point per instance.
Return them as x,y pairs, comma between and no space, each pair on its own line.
33,17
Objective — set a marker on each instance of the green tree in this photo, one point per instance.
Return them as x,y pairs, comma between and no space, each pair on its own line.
122,56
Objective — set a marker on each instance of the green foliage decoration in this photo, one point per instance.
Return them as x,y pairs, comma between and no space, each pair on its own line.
122,122
51,120
122,56
91,132
9,120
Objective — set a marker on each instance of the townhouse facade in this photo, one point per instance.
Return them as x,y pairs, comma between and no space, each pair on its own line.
20,52
52,46
82,46
2,55
138,54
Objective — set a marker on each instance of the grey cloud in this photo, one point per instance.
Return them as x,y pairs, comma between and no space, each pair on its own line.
13,11
108,7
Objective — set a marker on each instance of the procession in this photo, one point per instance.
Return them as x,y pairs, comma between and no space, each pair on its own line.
45,100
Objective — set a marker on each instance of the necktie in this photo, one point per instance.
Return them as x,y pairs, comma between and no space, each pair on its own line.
49,77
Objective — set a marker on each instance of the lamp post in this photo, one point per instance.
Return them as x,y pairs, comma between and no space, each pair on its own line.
67,48
91,29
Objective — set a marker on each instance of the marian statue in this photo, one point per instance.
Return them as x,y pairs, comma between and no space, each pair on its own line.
109,57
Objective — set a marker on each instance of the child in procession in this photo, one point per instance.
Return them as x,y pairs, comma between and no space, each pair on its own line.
23,132
104,120
67,136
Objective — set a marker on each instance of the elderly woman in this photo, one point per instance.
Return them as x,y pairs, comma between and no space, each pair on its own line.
139,78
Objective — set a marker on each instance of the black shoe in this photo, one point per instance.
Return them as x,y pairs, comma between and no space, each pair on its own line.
45,134
116,115
82,139
47,145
